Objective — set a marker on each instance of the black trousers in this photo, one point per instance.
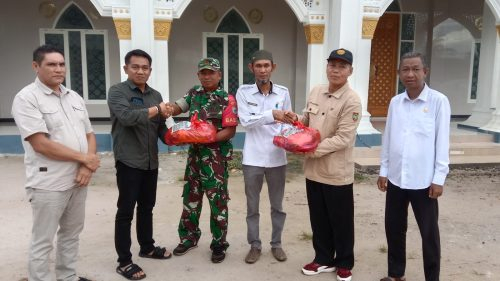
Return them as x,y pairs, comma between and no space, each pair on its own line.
426,214
134,186
331,212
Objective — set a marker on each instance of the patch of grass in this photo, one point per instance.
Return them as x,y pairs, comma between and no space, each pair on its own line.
295,163
382,249
360,177
235,163
305,236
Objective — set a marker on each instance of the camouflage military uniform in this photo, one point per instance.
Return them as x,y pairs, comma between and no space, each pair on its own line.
206,168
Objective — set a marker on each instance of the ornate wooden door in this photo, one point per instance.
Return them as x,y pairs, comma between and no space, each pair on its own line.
383,65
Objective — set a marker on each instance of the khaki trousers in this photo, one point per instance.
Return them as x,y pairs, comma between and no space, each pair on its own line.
61,211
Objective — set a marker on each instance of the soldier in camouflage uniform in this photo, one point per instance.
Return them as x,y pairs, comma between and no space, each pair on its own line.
206,168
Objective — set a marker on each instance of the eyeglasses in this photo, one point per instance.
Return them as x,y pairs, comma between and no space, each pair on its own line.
136,67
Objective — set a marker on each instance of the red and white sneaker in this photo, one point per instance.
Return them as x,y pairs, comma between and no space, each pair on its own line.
316,268
343,274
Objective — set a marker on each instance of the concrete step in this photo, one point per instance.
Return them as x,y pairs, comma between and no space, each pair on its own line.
468,138
475,149
461,154
455,161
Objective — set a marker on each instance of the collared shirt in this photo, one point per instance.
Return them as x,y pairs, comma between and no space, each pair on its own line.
135,136
336,116
415,145
64,119
255,111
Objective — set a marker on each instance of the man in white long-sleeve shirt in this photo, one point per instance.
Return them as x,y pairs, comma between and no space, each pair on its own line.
414,165
260,105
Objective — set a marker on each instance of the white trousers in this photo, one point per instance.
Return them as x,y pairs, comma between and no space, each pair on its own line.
61,211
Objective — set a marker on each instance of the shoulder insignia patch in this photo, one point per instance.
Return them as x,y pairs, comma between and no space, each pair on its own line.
355,116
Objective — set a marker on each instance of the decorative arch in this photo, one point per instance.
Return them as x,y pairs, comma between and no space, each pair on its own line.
454,21
69,14
495,8
475,33
374,8
179,6
298,7
388,4
233,22
455,47
395,6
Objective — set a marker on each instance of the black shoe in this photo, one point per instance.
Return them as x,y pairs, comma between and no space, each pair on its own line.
181,249
218,254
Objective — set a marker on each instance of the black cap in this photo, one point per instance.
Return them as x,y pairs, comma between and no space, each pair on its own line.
261,55
341,54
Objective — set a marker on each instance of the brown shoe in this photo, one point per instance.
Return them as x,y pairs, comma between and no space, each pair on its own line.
253,255
278,254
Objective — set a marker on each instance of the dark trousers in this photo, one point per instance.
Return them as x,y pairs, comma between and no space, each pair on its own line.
134,186
426,213
331,211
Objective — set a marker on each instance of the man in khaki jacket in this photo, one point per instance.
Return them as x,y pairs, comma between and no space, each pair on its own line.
334,110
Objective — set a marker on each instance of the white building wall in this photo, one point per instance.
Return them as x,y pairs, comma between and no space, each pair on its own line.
282,34
482,112
300,93
451,65
20,37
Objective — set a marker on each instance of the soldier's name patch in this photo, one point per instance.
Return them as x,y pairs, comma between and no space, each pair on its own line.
231,120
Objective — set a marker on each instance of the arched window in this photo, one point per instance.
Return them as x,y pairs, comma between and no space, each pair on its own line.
233,44
85,51
233,23
394,7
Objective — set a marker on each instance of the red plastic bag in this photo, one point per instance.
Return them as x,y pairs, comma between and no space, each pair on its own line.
194,131
297,138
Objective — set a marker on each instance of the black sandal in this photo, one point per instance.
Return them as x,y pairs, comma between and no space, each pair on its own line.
129,271
158,253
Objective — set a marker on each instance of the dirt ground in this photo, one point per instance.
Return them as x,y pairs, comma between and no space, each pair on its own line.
469,223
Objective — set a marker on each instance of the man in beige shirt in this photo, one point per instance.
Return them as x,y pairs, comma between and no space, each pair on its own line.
60,158
334,110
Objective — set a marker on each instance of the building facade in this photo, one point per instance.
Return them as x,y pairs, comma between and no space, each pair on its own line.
460,38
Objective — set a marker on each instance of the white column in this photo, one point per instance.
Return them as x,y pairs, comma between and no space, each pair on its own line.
122,25
361,82
350,31
316,66
125,47
142,16
494,124
162,29
316,60
161,69
482,112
